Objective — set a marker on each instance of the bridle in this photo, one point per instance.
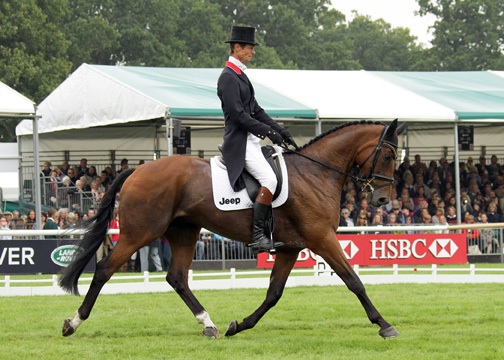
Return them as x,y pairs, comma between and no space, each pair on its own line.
368,179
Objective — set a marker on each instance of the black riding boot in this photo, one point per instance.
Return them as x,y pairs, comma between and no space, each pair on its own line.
261,231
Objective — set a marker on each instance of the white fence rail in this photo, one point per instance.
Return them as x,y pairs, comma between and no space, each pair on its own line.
320,275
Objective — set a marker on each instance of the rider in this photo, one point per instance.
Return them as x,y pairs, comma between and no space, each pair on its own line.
246,124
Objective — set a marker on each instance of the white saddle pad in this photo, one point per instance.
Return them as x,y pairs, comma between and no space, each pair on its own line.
226,199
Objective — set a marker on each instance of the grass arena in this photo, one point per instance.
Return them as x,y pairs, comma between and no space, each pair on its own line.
435,321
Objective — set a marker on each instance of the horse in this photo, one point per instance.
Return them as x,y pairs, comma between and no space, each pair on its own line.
179,190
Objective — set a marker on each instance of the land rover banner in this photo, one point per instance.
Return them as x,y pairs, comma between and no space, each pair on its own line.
38,256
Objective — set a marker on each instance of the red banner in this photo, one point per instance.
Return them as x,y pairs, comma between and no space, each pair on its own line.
389,249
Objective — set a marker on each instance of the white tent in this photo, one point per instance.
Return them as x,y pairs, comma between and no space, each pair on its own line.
14,104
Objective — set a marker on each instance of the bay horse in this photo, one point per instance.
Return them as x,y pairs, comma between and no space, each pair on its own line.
179,190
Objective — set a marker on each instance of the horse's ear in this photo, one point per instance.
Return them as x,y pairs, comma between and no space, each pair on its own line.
391,129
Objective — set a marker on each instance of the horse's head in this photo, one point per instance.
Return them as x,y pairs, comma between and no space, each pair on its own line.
377,168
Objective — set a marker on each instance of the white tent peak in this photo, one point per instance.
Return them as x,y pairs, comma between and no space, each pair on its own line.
12,103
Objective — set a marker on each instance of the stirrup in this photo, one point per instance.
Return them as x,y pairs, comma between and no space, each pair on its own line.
270,247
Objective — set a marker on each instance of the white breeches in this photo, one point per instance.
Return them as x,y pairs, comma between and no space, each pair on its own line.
257,166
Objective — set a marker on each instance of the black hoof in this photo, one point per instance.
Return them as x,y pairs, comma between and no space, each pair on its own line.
67,328
211,333
389,333
232,327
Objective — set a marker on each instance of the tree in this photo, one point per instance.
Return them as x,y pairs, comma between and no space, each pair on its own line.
468,35
32,50
378,46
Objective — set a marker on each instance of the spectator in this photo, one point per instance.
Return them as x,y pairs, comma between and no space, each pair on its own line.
72,224
4,226
200,246
489,242
95,191
91,174
62,218
442,221
436,219
114,224
451,215
73,176
31,220
472,237
46,170
492,215
82,170
105,179
418,166
481,166
150,253
361,220
364,208
405,165
51,223
345,219
165,251
494,169
392,220
10,223
124,165
419,183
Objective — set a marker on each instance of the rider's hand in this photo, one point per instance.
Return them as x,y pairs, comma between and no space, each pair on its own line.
275,137
287,137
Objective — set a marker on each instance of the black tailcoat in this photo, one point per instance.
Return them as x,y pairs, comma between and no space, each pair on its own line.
242,115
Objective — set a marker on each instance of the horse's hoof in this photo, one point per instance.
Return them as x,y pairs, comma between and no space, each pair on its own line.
231,329
67,328
389,333
211,333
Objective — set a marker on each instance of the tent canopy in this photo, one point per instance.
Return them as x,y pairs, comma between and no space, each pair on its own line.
98,95
13,103
410,96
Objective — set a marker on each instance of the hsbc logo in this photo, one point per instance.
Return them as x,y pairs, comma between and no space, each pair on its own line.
404,249
443,248
349,248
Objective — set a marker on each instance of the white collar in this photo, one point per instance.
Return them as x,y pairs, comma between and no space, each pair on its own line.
237,63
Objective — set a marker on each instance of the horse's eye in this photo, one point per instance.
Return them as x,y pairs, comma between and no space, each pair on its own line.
387,157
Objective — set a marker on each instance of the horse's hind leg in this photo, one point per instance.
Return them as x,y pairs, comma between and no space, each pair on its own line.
104,271
182,256
333,254
284,263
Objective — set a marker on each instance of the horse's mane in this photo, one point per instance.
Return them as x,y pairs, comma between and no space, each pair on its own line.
336,128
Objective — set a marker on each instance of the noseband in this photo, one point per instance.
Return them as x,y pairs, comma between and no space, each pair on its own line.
369,179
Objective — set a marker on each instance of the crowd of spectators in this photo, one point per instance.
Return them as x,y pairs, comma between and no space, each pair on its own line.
421,195
425,194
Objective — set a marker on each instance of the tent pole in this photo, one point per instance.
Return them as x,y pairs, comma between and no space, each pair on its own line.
457,175
169,131
36,175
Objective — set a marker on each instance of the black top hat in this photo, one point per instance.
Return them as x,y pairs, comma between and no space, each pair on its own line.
243,35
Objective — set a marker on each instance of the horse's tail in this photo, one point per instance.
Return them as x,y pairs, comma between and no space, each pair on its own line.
95,232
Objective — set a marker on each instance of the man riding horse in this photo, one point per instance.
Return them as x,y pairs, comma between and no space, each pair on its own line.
246,124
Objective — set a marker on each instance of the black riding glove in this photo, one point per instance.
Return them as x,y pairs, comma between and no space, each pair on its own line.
287,137
275,137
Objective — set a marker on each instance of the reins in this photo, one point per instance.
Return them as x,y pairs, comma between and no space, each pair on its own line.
366,180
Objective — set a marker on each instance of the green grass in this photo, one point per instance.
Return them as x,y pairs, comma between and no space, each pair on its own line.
448,321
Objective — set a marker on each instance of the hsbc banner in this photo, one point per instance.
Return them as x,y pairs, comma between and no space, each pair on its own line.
389,249
38,256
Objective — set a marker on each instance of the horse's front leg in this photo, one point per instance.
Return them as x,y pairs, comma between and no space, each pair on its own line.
284,263
333,254
177,277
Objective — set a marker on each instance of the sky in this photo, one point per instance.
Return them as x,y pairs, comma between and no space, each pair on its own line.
398,13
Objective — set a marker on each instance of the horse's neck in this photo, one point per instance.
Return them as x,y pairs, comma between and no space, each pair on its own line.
334,156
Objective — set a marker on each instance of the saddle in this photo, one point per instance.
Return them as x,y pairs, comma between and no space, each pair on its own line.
251,183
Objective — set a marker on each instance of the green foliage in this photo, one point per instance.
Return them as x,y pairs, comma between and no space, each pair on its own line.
377,46
32,47
468,35
42,41
448,321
